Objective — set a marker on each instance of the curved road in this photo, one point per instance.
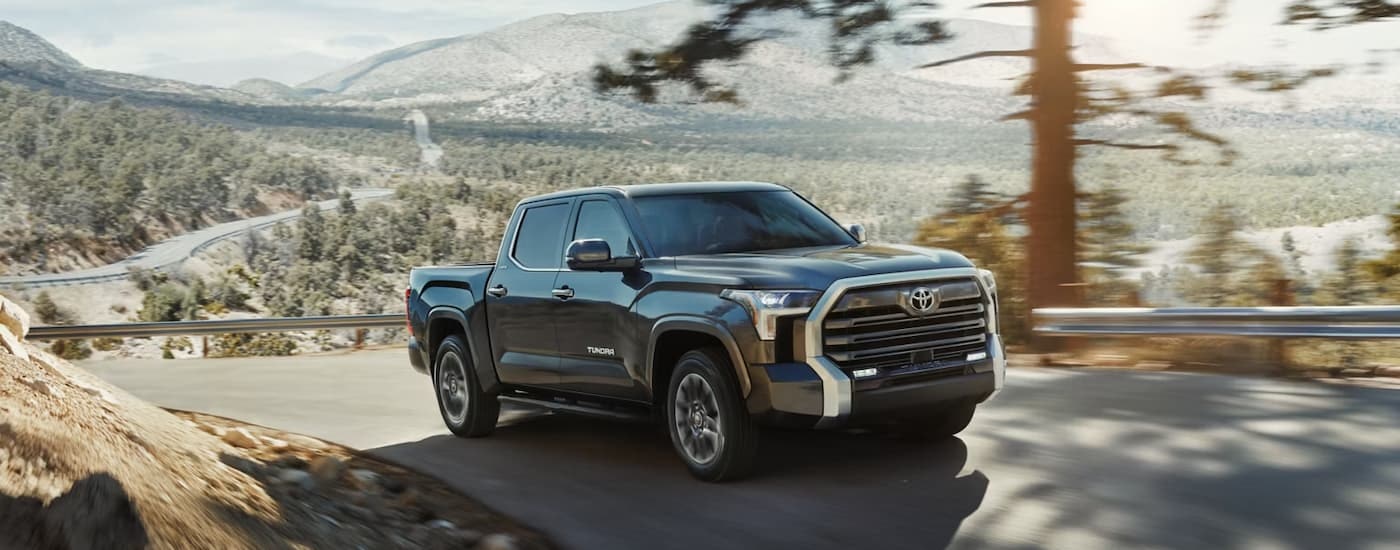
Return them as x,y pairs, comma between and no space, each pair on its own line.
1064,459
177,249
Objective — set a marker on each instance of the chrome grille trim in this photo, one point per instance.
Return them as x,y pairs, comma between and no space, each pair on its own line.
836,385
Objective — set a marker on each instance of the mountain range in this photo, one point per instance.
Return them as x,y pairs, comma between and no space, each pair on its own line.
538,71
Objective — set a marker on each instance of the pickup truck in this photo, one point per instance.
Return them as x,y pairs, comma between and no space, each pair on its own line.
711,308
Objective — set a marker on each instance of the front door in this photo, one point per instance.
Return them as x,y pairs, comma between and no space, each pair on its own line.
598,346
520,307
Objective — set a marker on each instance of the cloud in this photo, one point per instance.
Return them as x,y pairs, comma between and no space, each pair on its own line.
361,41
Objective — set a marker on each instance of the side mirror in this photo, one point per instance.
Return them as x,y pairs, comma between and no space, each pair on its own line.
596,255
857,230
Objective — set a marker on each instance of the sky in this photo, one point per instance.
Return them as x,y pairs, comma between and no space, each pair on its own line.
135,35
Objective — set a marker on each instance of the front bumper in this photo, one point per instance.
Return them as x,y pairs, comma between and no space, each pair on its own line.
824,396
794,394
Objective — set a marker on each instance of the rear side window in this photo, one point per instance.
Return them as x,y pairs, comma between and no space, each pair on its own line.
602,220
539,241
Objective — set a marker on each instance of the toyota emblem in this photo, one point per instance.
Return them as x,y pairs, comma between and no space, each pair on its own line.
924,300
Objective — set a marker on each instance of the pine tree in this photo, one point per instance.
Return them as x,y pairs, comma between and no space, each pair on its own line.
972,195
1060,98
1385,271
1107,246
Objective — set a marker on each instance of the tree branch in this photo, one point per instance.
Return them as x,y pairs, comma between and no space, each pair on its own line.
1129,146
1085,67
978,55
1019,115
1020,4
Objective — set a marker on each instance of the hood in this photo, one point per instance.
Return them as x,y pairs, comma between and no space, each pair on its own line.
817,268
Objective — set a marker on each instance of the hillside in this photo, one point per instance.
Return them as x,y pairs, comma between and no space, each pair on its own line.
84,184
18,44
538,70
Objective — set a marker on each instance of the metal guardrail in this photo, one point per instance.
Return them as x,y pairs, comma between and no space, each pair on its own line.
1348,322
216,326
1343,322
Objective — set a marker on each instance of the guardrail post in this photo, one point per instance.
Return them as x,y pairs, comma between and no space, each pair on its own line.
359,338
1278,347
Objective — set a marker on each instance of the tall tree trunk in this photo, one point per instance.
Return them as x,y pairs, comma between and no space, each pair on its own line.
1051,255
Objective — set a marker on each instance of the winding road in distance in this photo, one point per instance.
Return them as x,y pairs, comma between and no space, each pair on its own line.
175,250
1084,459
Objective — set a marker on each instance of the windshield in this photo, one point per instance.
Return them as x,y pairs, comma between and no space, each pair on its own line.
717,223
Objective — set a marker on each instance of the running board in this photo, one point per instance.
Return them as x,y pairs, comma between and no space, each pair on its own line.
613,413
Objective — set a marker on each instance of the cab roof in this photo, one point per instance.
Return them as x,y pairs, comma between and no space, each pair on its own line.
655,189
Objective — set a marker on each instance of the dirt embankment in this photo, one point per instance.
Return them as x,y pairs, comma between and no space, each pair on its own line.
86,465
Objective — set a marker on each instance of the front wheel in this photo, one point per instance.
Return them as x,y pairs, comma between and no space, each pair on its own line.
710,427
466,410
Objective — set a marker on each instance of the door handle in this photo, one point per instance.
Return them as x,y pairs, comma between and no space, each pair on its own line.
497,291
563,293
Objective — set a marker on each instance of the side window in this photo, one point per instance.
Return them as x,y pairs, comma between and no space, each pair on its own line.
538,241
602,220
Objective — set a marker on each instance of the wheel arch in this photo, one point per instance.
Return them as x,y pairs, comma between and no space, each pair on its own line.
673,336
444,321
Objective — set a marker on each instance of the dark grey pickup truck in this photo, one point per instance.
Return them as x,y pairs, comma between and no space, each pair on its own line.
711,307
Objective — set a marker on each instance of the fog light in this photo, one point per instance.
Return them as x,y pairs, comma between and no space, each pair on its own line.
866,373
977,356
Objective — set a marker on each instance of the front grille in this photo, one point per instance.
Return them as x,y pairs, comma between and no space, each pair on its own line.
873,327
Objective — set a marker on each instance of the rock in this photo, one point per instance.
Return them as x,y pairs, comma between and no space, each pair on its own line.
274,444
14,318
296,477
95,391
42,386
10,342
95,513
240,463
326,469
442,524
365,480
391,484
497,541
1388,371
289,461
304,442
239,437
211,430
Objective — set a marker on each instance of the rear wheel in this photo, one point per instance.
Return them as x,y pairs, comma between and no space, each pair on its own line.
466,410
710,427
947,423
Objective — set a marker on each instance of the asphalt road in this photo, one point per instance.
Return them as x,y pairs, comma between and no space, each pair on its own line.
1065,459
430,153
176,249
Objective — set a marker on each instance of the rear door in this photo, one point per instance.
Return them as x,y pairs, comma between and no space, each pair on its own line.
520,307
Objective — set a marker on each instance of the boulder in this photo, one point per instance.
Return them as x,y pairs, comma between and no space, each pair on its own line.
241,438
326,469
14,318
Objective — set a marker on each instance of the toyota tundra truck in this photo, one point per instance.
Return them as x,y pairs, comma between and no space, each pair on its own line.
712,308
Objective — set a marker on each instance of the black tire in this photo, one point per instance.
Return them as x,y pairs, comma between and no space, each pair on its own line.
947,423
734,442
466,410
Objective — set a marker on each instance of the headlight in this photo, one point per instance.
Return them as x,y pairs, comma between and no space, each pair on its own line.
989,280
766,306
